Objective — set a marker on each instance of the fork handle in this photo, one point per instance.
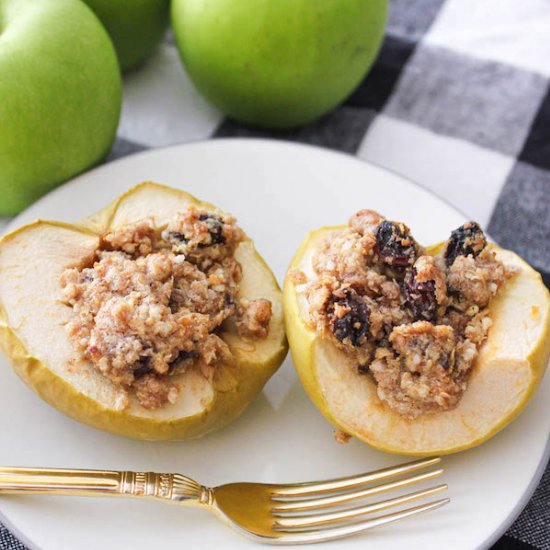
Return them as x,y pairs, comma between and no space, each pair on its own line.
49,481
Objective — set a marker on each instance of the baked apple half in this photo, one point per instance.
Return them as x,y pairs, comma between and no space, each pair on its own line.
153,319
415,350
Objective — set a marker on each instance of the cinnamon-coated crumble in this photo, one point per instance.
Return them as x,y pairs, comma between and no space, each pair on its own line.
152,303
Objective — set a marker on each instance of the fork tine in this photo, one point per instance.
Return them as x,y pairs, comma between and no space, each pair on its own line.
301,522
322,535
346,483
336,500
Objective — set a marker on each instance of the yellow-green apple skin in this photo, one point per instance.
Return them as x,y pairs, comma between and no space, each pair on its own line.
135,26
60,96
277,63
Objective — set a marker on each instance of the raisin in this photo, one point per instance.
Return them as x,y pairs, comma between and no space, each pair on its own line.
395,245
183,356
446,361
143,367
466,240
384,341
180,237
215,228
420,297
354,324
363,369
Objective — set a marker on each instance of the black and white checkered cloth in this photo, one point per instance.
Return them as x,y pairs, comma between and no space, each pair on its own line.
458,101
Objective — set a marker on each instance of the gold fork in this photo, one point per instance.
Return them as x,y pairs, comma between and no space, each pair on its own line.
297,513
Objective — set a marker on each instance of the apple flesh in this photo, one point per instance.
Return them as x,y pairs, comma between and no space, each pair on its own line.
277,64
510,365
60,96
44,356
135,26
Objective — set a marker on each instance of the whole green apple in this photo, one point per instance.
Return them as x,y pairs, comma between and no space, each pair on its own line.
60,96
277,63
135,26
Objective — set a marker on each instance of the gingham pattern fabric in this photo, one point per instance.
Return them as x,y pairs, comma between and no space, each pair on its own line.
458,101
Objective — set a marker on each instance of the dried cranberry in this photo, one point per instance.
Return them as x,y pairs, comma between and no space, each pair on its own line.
466,240
395,245
354,324
215,228
420,297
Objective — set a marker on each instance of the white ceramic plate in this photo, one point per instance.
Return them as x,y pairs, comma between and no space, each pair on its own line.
278,191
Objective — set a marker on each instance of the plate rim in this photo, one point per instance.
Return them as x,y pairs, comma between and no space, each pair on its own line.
281,143
13,223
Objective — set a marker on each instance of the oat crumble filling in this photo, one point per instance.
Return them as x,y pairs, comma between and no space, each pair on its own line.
413,322
152,302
